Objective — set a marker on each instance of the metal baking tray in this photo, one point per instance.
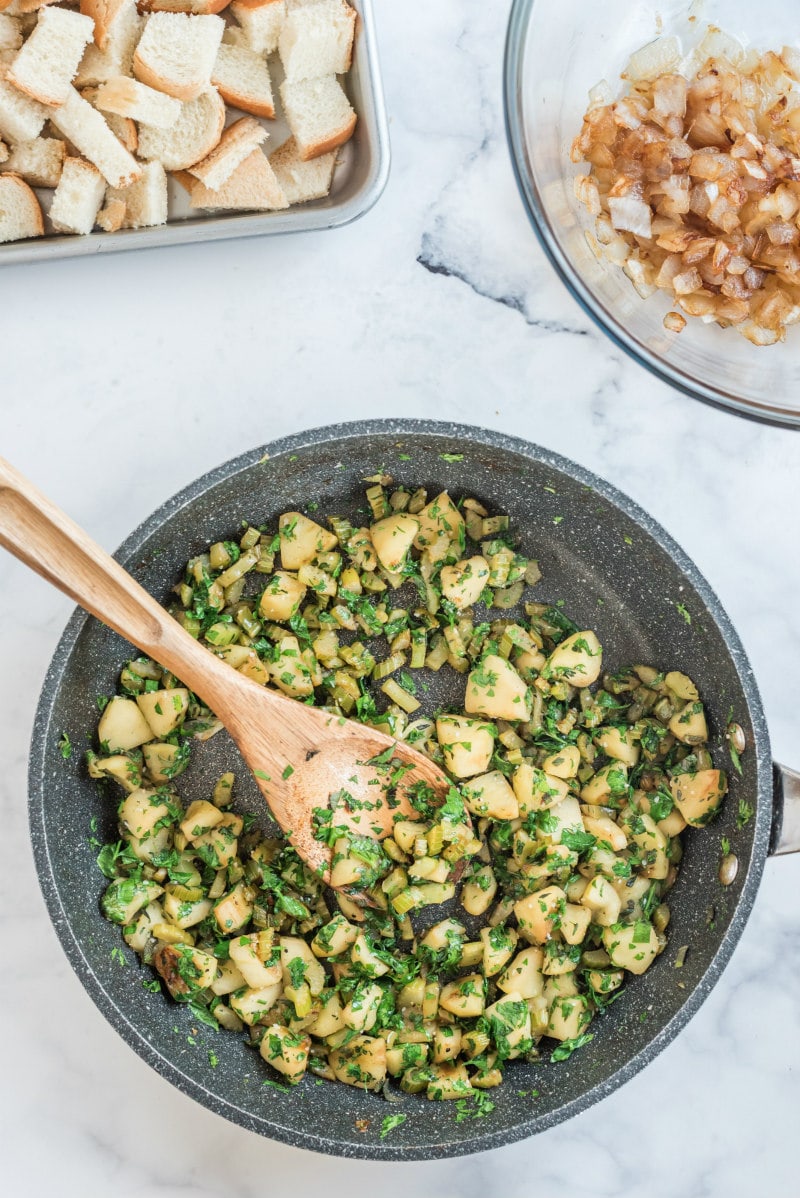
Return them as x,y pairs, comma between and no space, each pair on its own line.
360,176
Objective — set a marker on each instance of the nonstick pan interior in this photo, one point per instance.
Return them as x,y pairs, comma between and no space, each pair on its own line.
614,570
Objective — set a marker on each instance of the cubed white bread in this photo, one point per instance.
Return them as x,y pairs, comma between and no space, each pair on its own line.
88,131
21,119
10,34
176,53
197,7
116,58
234,35
4,152
302,181
146,200
96,67
317,39
103,13
242,78
319,115
38,162
77,198
251,187
261,23
48,61
20,214
111,215
193,136
129,97
122,127
237,143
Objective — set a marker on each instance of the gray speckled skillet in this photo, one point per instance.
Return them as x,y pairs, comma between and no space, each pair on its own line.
616,571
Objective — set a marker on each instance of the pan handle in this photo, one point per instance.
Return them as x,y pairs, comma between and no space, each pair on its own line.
786,811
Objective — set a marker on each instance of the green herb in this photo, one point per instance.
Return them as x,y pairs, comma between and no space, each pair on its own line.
287,773
264,777
118,955
477,1106
213,1060
684,612
153,986
452,457
113,855
102,702
297,972
407,682
744,814
641,932
661,804
203,1015
579,842
390,1123
725,846
65,748
276,1086
300,628
567,1047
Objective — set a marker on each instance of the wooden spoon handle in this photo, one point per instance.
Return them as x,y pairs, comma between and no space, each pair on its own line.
38,533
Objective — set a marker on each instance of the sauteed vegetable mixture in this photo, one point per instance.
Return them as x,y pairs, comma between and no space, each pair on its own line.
555,849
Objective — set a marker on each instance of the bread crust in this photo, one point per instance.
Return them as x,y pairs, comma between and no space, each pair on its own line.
103,13
32,88
28,196
213,135
316,149
241,131
242,101
197,8
254,170
257,3
146,74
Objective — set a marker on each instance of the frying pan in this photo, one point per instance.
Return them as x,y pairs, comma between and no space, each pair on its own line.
616,571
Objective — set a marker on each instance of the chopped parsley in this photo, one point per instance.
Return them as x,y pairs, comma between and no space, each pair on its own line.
567,1047
682,609
390,1123
744,813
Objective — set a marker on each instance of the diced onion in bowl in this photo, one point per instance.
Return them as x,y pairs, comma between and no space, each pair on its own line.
631,215
694,182
654,59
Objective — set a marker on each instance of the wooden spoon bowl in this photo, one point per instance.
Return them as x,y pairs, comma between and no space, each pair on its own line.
300,756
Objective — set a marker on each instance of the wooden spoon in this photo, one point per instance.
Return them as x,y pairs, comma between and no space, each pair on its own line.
300,756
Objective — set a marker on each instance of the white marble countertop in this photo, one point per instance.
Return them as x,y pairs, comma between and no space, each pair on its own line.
126,377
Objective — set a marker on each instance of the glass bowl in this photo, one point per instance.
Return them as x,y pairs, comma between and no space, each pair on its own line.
555,52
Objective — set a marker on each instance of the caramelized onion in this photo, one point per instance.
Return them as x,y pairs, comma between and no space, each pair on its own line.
694,182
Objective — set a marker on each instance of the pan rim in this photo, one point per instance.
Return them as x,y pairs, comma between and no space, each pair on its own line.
482,1140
